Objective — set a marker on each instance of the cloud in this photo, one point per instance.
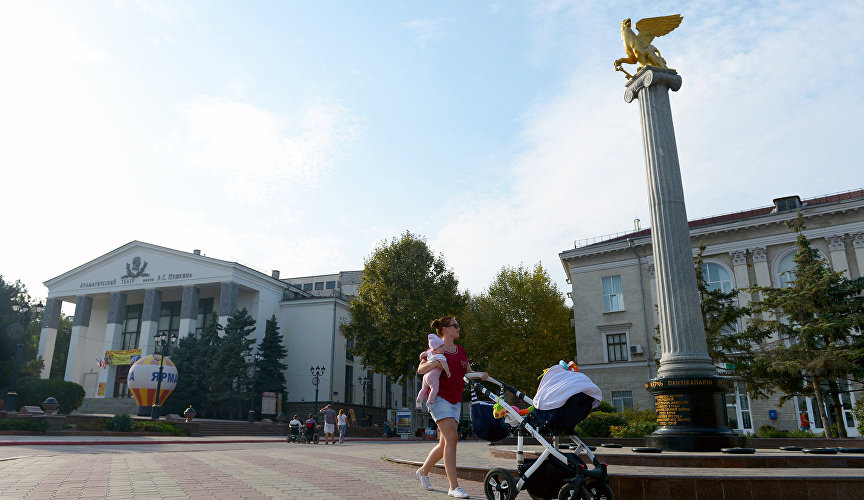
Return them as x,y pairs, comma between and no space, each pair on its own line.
258,154
428,30
758,112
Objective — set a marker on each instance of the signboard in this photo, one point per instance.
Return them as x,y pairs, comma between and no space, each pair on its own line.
403,422
268,403
127,357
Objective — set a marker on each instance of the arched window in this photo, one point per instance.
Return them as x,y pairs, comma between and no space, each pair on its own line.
786,270
716,277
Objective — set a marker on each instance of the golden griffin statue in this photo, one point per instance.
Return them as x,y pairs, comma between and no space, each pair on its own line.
638,47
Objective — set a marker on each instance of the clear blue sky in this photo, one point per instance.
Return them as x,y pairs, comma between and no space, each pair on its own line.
298,135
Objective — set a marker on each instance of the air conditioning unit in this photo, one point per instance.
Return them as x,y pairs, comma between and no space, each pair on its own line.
636,349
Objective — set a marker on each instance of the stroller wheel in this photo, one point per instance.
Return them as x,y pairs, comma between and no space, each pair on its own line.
573,491
315,438
599,490
499,485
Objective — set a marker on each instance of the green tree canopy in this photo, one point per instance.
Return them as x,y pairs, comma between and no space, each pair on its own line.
29,337
519,326
404,288
810,330
233,359
197,373
270,369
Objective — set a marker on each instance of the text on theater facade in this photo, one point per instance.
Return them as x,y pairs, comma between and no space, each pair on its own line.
136,272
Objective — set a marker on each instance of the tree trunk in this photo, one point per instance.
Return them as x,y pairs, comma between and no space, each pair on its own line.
817,392
838,408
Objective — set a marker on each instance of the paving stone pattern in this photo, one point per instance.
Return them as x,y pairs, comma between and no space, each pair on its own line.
265,471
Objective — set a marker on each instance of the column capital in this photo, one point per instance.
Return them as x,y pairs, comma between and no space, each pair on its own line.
836,242
760,254
649,76
858,240
739,257
652,271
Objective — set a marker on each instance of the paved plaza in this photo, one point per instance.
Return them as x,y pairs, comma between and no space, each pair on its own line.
219,469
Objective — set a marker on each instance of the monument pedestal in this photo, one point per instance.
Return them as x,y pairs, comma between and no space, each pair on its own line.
691,414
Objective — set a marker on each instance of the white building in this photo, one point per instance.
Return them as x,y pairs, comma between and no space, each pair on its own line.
614,294
123,298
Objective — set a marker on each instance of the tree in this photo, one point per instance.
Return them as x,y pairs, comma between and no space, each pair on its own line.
270,369
197,372
519,327
29,338
811,330
404,288
232,388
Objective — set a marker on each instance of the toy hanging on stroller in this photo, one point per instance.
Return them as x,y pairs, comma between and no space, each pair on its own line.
564,398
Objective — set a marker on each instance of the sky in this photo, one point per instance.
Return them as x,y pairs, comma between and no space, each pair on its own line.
298,135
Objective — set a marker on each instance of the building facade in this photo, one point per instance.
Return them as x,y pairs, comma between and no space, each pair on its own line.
615,295
125,297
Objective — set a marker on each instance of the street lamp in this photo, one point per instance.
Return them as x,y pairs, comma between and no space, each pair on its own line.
249,358
163,345
316,372
15,331
364,381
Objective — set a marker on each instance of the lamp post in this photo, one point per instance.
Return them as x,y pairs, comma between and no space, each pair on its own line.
249,358
163,344
364,381
316,372
15,331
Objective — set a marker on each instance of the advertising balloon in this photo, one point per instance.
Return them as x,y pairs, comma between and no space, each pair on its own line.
144,377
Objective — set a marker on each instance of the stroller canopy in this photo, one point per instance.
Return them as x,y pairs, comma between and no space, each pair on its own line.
558,385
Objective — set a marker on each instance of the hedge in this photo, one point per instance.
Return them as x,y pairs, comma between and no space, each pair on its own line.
32,391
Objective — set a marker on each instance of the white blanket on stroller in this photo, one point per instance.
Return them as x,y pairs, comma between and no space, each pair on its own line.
559,384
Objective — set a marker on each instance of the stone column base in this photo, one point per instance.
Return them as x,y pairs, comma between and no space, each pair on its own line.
691,414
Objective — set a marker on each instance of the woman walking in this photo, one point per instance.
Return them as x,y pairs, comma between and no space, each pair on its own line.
342,421
447,406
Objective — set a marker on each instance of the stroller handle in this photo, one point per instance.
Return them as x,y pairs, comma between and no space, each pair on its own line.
472,378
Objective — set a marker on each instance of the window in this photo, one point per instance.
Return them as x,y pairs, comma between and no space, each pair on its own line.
330,285
349,344
205,315
786,271
307,287
132,327
613,299
169,318
349,384
319,285
622,399
718,278
616,347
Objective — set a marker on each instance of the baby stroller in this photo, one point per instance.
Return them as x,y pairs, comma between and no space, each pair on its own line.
553,475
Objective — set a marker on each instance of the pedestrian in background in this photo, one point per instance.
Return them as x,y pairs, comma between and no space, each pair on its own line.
342,421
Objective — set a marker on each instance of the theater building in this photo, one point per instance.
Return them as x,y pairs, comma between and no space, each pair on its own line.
614,295
125,297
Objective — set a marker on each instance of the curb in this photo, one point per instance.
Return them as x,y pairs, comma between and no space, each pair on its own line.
161,441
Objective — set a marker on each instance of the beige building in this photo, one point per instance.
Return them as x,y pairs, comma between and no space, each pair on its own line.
614,294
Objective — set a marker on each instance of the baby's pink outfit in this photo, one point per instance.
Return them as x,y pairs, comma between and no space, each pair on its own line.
432,377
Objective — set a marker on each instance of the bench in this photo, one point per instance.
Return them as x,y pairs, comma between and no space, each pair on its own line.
32,410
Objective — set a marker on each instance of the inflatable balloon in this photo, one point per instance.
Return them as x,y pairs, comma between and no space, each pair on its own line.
144,377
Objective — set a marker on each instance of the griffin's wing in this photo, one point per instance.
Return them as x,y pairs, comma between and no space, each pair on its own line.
651,27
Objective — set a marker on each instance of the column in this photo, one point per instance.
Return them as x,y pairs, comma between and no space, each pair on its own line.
189,311
80,325
113,341
150,320
742,280
48,336
228,294
858,243
688,395
760,266
837,250
682,333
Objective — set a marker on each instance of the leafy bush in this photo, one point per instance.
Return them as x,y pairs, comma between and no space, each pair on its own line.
33,390
163,427
120,423
93,424
859,416
769,431
805,434
598,424
633,430
23,424
605,407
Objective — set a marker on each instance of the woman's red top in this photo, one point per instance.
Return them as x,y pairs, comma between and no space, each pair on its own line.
450,388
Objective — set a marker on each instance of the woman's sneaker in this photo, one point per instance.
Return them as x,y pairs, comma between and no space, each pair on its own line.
424,480
458,493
